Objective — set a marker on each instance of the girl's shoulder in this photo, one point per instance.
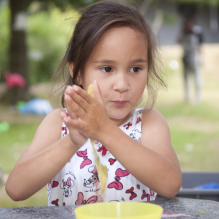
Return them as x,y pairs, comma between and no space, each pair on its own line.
48,132
54,115
52,123
153,120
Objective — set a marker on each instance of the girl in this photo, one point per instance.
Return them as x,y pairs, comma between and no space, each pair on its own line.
112,48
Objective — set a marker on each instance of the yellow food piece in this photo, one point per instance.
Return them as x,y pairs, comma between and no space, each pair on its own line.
101,169
90,89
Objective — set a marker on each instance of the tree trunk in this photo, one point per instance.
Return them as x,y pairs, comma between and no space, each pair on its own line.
18,50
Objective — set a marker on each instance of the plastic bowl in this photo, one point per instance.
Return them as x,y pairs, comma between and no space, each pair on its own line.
113,210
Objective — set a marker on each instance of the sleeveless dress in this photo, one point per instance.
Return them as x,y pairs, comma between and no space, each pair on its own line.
78,183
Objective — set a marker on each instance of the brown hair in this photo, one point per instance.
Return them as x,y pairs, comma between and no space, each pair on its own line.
95,20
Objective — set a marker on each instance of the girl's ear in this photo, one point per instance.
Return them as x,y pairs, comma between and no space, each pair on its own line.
70,67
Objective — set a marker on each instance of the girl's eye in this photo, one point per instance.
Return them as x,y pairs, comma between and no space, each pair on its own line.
106,69
135,69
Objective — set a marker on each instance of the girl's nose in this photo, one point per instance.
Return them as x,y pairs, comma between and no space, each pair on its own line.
121,83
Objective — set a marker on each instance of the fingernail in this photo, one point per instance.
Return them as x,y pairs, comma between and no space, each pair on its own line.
67,97
68,91
75,87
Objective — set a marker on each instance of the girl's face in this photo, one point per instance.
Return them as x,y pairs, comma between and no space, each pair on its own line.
119,64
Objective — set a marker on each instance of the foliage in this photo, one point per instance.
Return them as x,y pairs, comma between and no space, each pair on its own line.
4,41
75,3
209,2
48,35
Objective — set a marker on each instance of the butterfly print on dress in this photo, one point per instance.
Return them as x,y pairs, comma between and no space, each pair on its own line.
103,149
86,161
133,194
145,195
138,120
82,201
55,202
127,125
117,184
51,185
112,161
64,129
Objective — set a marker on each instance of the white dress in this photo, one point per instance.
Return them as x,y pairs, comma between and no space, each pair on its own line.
78,183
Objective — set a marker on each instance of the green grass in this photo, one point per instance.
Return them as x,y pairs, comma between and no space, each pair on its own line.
38,199
203,111
14,142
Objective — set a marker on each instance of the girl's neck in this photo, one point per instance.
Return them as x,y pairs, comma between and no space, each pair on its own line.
120,122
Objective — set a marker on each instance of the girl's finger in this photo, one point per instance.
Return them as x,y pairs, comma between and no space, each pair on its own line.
72,116
63,115
80,98
73,108
77,124
83,94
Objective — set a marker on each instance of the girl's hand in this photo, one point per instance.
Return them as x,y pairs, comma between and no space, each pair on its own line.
92,117
76,137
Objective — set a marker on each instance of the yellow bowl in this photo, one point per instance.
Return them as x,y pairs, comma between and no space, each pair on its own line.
113,210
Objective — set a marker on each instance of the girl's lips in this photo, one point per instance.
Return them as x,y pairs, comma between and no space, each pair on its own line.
119,103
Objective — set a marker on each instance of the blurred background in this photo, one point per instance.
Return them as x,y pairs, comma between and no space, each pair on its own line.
33,38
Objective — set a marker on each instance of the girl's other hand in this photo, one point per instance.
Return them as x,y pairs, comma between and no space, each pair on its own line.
76,137
92,120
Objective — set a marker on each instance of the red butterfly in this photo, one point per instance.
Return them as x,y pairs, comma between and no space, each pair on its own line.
85,157
81,201
103,149
117,184
112,161
131,190
55,202
127,125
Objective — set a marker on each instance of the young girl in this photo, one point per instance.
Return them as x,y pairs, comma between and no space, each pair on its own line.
112,48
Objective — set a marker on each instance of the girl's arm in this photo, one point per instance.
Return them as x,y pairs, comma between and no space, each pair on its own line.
42,160
153,162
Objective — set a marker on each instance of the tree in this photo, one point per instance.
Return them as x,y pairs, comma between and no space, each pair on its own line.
17,48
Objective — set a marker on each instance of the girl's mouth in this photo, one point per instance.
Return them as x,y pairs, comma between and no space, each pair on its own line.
120,103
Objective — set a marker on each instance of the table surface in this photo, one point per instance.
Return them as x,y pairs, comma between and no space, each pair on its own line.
196,208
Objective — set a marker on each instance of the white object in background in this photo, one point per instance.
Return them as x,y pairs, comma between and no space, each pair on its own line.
20,21
174,65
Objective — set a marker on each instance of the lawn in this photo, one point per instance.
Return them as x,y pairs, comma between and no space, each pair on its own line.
194,128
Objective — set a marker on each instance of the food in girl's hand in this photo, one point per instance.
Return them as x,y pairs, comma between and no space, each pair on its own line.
90,89
101,169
